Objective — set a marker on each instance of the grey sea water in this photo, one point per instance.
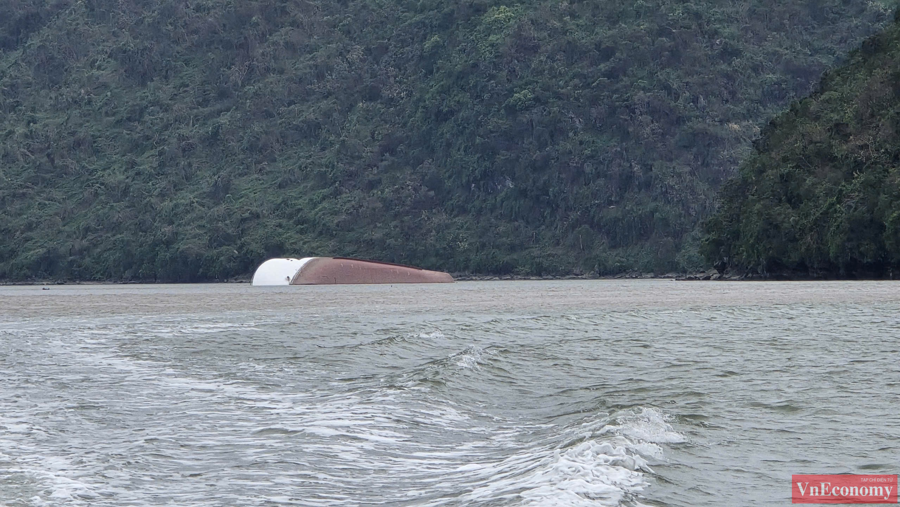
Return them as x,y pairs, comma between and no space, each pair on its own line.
656,393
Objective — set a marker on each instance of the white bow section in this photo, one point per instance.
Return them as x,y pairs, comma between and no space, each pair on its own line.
278,271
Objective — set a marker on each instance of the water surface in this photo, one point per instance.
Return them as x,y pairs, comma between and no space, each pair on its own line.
479,393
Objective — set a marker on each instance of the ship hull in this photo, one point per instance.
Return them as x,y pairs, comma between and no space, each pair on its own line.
330,271
339,270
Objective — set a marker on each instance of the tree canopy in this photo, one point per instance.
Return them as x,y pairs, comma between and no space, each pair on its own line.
186,140
820,196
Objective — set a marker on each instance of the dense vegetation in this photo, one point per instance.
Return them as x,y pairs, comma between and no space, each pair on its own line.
820,196
191,139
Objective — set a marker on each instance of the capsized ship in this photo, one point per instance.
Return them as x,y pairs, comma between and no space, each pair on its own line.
341,270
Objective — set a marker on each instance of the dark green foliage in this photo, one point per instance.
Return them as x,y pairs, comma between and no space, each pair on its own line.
184,141
821,194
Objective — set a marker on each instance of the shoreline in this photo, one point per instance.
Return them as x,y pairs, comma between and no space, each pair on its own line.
711,275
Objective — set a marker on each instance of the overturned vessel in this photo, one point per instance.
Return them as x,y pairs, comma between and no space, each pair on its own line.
341,270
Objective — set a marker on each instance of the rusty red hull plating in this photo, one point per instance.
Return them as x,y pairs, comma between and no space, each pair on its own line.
337,270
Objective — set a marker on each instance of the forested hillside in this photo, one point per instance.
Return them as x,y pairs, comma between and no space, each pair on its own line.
189,140
820,196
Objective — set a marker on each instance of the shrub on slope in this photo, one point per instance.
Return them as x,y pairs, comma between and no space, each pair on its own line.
189,140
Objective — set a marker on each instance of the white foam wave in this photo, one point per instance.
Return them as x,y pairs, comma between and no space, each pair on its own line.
469,358
590,473
647,426
596,463
53,477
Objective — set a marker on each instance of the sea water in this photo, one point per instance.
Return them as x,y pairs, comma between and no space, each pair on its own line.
604,392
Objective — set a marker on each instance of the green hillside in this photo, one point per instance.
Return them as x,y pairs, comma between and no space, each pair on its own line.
188,140
821,194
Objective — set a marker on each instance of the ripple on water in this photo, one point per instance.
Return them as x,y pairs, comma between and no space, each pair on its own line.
360,436
655,402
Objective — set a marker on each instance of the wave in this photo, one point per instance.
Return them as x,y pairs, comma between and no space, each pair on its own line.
379,438
601,461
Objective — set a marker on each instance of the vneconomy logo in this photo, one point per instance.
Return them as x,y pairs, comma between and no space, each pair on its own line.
844,489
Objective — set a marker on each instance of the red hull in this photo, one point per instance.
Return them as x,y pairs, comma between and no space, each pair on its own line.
336,270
